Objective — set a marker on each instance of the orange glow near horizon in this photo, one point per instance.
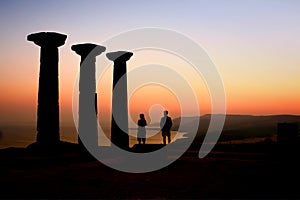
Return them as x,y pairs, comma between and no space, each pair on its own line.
247,92
19,101
145,97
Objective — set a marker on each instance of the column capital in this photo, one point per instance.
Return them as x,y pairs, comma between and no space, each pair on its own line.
47,39
86,49
119,56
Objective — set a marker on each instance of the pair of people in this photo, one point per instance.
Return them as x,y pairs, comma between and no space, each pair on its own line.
165,127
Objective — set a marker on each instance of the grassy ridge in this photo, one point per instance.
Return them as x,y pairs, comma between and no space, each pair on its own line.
237,127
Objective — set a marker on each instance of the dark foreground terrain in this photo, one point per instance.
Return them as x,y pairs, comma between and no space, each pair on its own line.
229,171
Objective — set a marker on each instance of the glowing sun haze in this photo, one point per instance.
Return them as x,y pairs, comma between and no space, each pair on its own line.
255,45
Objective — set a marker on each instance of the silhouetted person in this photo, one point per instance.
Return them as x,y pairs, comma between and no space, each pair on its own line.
48,102
141,135
165,126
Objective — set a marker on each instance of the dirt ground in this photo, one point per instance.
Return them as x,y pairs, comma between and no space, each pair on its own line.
223,174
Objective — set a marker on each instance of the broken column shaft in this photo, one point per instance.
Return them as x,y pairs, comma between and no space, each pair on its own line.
48,94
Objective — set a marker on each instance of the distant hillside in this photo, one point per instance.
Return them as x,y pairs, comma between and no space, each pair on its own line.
238,126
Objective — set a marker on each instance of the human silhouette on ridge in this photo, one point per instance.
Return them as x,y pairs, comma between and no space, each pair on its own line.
165,127
141,135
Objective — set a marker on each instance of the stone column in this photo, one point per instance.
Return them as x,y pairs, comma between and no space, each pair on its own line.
87,121
48,94
119,124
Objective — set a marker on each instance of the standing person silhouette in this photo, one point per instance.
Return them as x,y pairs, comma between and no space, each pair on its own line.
165,126
141,135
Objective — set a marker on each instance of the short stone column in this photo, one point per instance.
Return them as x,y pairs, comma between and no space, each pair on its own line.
119,128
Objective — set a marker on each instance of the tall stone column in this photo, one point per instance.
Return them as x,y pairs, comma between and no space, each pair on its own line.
87,122
48,94
119,124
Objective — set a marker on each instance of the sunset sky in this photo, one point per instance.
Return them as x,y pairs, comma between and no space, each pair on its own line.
254,44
